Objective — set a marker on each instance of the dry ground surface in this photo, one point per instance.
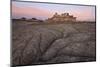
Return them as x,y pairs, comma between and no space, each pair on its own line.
34,43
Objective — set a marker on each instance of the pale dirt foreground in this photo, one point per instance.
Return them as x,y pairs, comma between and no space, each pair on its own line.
52,43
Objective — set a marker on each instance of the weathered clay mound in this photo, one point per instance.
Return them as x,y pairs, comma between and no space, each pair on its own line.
52,44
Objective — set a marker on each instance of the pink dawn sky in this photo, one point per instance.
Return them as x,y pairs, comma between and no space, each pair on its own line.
44,10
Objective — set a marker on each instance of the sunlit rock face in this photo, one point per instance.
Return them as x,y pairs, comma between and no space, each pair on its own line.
62,18
53,43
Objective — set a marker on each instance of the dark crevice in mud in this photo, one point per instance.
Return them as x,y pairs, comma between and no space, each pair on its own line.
22,51
48,38
48,47
40,38
56,54
53,40
39,48
77,29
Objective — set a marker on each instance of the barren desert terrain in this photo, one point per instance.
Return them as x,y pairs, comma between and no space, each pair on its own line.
44,43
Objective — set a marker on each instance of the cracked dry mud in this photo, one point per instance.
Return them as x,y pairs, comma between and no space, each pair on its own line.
53,43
